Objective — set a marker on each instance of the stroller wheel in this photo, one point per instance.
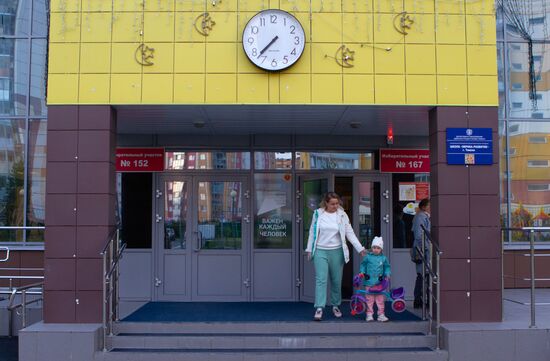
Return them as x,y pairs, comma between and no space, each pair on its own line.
398,305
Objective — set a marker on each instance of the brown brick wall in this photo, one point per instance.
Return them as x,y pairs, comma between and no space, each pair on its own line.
80,201
465,220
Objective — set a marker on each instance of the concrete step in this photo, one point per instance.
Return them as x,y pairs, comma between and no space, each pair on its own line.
340,354
269,341
288,328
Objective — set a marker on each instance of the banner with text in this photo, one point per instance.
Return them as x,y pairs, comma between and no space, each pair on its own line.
140,159
405,160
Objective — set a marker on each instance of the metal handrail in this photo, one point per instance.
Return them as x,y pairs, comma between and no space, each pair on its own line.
109,241
434,279
532,278
112,254
23,291
21,227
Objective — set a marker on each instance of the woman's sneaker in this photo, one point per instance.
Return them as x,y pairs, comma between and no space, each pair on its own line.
336,311
369,318
383,318
318,314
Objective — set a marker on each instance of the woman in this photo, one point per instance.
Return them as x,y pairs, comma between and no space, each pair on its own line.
326,246
422,218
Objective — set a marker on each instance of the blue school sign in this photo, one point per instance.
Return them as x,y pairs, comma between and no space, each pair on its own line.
471,146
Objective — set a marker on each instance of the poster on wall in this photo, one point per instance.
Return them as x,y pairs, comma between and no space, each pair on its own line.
273,216
470,146
414,191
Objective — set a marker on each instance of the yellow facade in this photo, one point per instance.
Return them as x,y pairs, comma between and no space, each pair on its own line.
448,56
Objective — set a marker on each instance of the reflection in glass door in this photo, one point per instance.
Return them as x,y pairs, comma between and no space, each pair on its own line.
174,261
202,252
369,212
221,242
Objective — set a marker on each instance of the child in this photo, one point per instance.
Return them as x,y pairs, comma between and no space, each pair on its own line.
374,269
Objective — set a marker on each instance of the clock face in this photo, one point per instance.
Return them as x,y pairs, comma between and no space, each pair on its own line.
273,40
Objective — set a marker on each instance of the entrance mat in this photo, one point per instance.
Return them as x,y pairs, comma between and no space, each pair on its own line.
246,312
8,349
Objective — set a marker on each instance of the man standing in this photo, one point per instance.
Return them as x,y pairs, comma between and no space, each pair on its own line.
422,218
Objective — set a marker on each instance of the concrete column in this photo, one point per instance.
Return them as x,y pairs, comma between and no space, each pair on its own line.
80,210
465,220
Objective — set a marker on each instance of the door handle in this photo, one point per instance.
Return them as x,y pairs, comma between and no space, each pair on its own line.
158,218
199,241
7,254
386,218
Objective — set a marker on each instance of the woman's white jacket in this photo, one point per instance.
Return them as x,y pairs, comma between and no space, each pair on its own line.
346,231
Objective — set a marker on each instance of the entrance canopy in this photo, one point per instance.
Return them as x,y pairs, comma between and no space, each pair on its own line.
273,119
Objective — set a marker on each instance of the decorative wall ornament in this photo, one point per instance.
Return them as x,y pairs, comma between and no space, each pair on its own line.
144,55
216,2
403,22
204,24
344,57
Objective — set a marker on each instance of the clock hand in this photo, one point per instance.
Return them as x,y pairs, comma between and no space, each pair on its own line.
268,45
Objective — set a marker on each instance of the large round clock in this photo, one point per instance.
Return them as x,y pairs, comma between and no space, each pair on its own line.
273,40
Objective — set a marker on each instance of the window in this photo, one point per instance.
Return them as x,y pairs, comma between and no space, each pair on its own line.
538,140
512,151
538,187
513,128
517,105
517,86
328,160
537,21
208,160
538,163
22,126
273,160
516,66
537,115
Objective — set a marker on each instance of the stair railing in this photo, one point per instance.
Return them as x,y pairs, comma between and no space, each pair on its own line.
111,253
430,252
36,289
532,276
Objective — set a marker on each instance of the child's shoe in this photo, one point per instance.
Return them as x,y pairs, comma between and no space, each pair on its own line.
336,311
318,314
383,318
369,318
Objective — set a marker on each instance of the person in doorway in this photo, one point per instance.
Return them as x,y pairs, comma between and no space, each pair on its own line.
326,246
375,269
422,218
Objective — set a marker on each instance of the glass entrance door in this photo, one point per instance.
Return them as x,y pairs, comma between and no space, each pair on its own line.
203,228
370,217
